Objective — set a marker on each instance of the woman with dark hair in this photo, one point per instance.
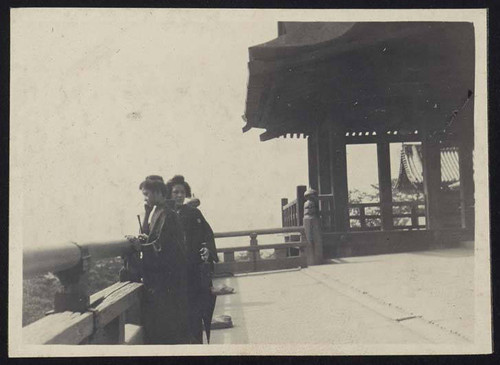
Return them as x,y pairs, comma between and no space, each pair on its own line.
201,256
164,262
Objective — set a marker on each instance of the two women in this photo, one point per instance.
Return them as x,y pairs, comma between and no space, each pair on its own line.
178,253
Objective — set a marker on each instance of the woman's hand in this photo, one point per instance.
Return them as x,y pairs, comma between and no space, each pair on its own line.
148,208
143,238
136,244
204,254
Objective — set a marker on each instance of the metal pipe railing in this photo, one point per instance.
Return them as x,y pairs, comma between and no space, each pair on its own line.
59,257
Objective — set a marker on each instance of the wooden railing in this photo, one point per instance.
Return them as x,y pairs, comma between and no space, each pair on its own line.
405,215
292,213
250,259
111,316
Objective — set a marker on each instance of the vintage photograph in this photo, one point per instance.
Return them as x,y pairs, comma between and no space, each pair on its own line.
188,181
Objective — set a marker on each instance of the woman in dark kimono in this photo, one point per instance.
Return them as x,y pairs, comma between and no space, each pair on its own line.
164,313
201,256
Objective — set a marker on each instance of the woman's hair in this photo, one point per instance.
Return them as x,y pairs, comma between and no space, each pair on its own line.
177,180
154,183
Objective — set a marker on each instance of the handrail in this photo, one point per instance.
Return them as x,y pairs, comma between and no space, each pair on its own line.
359,214
57,257
266,246
281,259
407,202
292,213
290,204
366,205
259,232
73,328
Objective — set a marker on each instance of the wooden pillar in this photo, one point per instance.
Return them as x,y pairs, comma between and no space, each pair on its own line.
466,168
465,131
431,156
324,160
338,168
312,154
323,154
385,185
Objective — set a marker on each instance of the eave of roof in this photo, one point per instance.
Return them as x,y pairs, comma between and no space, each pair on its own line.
378,74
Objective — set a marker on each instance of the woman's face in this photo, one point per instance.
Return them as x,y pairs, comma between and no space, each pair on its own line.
179,194
151,198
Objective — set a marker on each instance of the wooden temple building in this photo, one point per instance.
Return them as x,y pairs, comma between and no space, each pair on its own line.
342,83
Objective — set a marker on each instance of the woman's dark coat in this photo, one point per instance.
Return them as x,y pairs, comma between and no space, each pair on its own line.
165,314
201,300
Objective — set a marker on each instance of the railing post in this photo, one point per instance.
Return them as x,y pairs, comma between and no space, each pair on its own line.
414,215
362,218
255,254
301,189
312,229
131,270
284,202
75,294
229,256
112,333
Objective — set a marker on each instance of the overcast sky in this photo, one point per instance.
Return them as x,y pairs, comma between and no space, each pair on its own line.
102,99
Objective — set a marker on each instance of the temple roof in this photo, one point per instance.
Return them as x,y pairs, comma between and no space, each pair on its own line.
411,168
368,76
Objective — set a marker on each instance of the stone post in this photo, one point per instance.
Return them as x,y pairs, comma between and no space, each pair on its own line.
75,295
312,228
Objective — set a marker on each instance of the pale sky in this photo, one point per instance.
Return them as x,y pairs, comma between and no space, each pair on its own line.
101,99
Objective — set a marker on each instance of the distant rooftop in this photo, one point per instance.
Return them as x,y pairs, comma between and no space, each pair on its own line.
411,168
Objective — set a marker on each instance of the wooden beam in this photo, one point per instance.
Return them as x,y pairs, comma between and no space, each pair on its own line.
72,328
60,328
385,185
270,134
116,303
384,137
